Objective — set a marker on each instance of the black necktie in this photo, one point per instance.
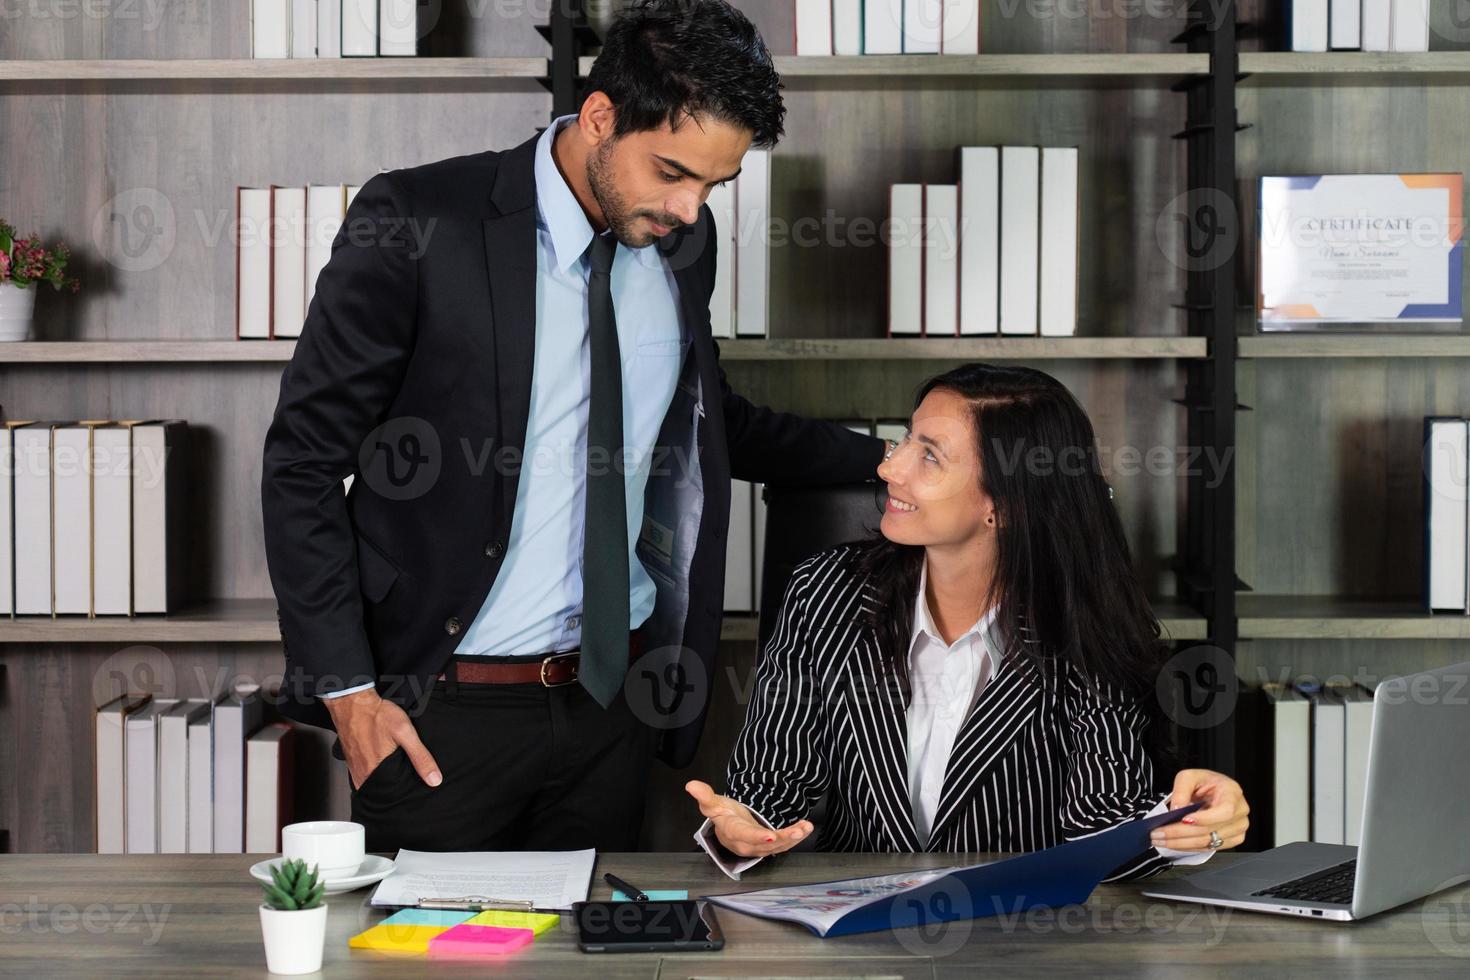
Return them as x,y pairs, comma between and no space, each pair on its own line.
604,659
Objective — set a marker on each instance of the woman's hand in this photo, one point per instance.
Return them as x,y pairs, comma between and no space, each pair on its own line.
1224,812
738,829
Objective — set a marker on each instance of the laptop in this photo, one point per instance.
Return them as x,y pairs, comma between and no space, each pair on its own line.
1414,839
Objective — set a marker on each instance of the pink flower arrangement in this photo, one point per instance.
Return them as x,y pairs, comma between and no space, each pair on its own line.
26,260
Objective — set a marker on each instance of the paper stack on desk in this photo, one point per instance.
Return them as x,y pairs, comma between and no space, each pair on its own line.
551,880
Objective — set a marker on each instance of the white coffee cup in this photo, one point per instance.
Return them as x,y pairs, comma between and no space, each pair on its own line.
335,846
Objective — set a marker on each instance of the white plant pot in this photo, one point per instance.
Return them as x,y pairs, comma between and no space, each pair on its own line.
17,310
293,940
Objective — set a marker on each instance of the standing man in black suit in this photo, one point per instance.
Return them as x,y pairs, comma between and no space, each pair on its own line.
512,352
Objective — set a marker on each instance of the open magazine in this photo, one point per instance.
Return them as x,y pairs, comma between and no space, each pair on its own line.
1061,875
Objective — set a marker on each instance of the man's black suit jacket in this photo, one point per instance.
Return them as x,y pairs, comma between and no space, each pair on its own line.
413,372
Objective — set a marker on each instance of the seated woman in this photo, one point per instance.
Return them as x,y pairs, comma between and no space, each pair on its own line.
980,675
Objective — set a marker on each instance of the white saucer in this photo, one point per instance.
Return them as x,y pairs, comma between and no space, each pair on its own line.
374,868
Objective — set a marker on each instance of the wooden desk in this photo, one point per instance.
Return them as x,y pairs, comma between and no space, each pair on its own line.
195,915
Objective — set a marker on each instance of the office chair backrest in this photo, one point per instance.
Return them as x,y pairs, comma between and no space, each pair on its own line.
801,521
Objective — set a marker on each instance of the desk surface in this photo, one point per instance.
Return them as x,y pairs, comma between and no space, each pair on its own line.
195,915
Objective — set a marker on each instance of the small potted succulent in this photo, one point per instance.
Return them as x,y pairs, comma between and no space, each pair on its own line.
26,263
293,918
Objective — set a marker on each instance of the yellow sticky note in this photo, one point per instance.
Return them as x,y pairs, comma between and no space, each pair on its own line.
396,938
537,922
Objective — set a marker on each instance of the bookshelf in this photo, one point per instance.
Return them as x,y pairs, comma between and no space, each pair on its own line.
371,70
854,349
1318,508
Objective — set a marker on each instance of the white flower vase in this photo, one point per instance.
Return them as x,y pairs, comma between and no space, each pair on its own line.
17,311
294,940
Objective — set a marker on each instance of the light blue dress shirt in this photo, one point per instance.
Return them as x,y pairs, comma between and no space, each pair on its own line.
535,605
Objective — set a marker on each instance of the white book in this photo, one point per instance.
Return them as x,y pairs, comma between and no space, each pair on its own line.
253,263
236,718
905,260
1020,190
159,503
268,773
758,529
882,27
288,260
326,208
7,519
1328,773
921,26
112,520
1292,763
141,780
961,26
813,27
1344,25
1447,448
1309,25
173,773
1410,25
739,549
941,260
31,498
329,29
109,765
71,532
1057,302
1377,25
1358,722
201,783
304,19
847,26
753,259
270,28
721,203
979,240
398,28
359,28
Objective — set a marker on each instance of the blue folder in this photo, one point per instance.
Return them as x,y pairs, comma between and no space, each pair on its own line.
1062,875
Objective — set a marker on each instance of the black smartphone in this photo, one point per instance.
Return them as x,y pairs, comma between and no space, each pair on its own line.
647,927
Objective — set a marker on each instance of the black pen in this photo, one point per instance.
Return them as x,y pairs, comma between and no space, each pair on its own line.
635,894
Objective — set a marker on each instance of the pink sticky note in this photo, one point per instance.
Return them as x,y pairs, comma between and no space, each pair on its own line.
466,940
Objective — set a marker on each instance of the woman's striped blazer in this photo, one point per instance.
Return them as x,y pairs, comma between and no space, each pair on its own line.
1041,758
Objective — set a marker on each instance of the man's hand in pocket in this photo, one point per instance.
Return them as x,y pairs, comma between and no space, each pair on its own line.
370,728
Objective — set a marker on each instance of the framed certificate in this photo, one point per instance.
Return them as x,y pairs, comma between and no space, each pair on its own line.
1343,249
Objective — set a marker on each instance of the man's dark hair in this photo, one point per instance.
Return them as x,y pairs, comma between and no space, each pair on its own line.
663,59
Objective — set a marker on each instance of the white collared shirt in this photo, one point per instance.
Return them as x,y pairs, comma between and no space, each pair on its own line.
945,680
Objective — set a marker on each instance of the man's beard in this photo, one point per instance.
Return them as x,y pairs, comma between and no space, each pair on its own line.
614,209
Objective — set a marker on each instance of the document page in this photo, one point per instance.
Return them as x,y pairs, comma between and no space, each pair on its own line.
548,879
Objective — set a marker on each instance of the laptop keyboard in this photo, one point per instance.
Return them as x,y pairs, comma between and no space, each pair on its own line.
1333,885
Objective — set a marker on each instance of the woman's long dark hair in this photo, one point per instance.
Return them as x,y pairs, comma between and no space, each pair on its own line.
1065,585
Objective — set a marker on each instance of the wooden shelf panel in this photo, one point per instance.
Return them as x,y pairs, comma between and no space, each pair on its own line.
1354,67
873,349
1019,70
210,621
1285,617
963,348
144,351
254,621
256,69
1321,345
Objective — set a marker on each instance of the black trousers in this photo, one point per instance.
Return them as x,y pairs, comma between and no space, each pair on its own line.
525,767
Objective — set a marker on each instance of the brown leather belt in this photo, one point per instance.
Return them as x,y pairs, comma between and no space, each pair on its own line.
553,670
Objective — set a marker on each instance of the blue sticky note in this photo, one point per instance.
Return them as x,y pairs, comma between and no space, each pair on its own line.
668,895
427,917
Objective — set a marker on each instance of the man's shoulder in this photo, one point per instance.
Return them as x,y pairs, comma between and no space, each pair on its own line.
449,184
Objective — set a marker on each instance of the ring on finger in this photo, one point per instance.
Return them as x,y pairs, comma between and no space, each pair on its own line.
1216,841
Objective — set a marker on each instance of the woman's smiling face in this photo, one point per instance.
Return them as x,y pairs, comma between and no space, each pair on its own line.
933,477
